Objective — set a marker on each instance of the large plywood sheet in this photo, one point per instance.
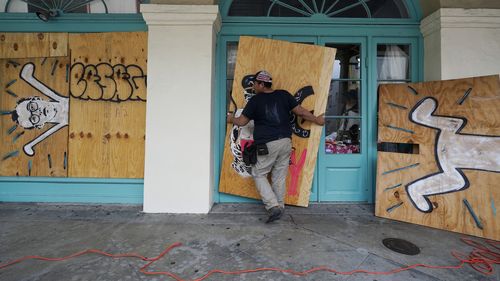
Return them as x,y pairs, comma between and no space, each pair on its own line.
33,45
49,158
108,94
452,182
305,72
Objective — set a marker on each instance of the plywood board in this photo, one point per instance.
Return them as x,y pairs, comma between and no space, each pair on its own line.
18,81
108,94
452,182
33,45
305,72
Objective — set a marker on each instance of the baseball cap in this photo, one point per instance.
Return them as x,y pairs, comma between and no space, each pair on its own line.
263,76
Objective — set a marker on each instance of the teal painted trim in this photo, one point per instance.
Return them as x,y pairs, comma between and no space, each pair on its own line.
416,74
71,190
28,22
265,29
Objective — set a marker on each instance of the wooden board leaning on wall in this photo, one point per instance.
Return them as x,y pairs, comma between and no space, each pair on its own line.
451,182
50,154
303,70
108,104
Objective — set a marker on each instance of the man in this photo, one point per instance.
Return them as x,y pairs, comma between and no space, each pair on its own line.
271,111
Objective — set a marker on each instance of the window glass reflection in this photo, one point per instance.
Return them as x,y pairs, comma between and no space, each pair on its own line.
393,62
343,136
343,99
231,50
347,61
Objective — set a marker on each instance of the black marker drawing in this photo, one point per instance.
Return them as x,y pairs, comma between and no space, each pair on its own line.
241,136
35,112
100,82
454,152
300,96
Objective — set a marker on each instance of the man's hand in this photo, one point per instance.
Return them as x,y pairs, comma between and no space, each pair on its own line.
241,120
302,112
229,118
320,120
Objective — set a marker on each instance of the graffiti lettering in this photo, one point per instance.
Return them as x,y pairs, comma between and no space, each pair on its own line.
107,82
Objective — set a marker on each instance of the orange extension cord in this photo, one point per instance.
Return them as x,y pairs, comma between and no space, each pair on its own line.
482,258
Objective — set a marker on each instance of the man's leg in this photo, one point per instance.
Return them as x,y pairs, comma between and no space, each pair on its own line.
259,172
280,170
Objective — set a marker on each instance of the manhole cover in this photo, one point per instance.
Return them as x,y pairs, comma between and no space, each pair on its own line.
401,246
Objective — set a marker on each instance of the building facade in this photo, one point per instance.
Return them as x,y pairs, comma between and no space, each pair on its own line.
191,51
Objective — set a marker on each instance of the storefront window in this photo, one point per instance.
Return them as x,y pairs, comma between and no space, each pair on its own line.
57,8
231,50
343,111
393,66
319,8
393,63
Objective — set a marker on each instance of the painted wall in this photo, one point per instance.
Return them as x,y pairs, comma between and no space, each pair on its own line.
430,6
179,149
461,43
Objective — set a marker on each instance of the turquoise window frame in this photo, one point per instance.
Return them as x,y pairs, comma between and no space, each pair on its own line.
416,75
376,31
72,190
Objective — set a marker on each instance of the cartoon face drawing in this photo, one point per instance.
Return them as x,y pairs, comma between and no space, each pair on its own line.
34,112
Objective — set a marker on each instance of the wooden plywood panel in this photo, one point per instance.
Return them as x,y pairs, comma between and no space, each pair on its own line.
302,70
24,45
451,183
49,153
58,44
108,93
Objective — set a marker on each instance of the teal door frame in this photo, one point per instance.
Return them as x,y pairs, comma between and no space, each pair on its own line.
353,187
374,31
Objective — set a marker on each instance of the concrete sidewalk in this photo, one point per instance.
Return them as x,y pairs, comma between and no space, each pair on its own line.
232,237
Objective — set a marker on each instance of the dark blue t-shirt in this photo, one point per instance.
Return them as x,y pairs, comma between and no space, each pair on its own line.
271,115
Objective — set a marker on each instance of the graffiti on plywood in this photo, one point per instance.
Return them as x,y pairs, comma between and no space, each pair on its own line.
35,112
454,152
108,82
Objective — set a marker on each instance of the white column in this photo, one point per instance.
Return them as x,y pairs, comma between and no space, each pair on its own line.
461,43
178,176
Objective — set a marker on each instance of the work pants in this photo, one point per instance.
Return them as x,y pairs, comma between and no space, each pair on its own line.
276,162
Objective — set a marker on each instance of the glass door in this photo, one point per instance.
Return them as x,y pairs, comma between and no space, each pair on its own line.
342,160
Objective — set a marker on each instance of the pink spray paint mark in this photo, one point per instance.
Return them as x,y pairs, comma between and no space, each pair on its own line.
295,169
245,143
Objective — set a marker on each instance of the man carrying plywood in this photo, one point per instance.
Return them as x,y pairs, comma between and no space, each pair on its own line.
271,112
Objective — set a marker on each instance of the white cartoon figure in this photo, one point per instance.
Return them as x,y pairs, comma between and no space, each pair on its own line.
242,136
34,112
454,151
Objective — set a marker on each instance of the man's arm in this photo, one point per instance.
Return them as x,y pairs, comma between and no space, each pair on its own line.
304,113
241,120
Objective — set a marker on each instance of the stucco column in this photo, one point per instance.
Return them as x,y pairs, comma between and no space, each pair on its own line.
178,176
461,43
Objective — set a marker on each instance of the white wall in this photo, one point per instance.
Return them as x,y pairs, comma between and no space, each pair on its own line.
114,6
461,43
178,174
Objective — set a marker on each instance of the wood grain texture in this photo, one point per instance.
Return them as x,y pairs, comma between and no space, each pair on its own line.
480,109
292,70
58,44
25,45
51,72
107,127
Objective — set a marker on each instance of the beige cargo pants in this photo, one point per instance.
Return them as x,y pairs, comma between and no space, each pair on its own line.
276,163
